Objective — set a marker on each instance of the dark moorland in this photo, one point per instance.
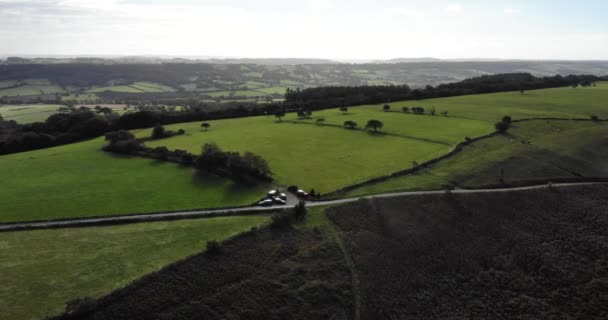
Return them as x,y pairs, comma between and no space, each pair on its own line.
267,274
540,254
519,255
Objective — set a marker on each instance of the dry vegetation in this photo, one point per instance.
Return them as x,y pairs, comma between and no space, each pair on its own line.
267,274
521,255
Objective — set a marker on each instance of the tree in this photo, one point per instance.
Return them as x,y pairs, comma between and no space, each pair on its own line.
374,124
502,126
386,107
279,114
161,153
158,132
300,210
120,135
405,109
1,119
205,126
507,119
212,157
350,124
344,109
320,120
444,113
594,118
432,110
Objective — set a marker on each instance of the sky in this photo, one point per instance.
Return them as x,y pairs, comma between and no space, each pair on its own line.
331,29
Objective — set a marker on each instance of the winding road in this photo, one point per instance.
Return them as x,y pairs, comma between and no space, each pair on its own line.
247,210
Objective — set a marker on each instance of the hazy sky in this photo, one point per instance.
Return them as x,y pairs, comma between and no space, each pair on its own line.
337,29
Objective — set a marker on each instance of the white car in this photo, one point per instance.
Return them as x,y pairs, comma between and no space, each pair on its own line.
265,203
283,196
302,193
272,193
278,200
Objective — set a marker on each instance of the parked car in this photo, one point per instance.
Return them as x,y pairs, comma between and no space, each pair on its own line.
278,200
283,196
265,203
272,193
302,194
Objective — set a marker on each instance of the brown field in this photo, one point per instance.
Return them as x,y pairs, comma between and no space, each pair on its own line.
521,255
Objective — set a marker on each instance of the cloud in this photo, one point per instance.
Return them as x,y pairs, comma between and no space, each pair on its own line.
511,11
454,7
320,4
405,12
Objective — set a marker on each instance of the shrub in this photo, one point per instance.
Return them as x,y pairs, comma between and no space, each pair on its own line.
350,124
280,220
181,131
386,107
595,118
158,132
120,135
123,146
213,247
187,158
344,109
502,126
507,119
161,153
300,210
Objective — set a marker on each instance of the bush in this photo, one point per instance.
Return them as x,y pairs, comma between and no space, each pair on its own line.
280,220
405,109
350,124
502,126
507,119
300,210
120,135
595,118
213,247
124,147
181,131
161,153
158,132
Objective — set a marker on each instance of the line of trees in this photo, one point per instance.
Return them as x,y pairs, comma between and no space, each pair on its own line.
328,97
247,167
233,164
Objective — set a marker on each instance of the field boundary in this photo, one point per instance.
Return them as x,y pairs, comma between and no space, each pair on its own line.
457,149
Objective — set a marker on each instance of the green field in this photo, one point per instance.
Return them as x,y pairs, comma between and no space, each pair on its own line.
320,157
79,180
40,184
81,98
556,149
152,87
127,89
237,93
272,90
42,270
28,113
31,89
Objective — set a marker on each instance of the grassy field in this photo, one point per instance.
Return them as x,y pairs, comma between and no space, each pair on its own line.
28,113
558,102
79,180
41,270
320,157
125,88
80,98
556,149
152,87
31,90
